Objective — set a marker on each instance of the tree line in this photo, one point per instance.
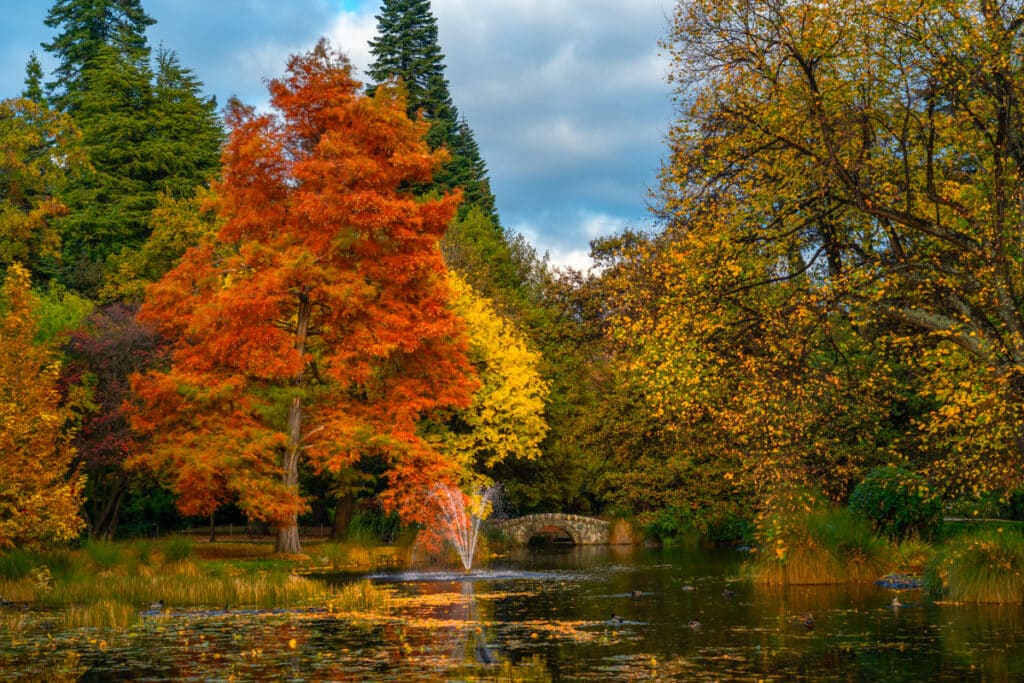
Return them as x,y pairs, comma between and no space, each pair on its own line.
317,308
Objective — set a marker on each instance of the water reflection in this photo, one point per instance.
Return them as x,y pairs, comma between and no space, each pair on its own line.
547,616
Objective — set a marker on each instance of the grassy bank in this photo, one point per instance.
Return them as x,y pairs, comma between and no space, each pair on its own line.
113,584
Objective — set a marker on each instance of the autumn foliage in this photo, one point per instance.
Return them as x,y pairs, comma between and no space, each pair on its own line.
839,278
39,496
315,325
505,419
41,149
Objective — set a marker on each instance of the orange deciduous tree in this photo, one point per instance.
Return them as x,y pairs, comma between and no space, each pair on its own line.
315,324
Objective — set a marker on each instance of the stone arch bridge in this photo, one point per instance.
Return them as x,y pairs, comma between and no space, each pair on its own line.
582,530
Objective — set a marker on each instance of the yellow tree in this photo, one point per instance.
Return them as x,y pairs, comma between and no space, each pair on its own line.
506,416
39,497
844,172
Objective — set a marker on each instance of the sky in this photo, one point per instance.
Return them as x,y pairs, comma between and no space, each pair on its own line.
568,99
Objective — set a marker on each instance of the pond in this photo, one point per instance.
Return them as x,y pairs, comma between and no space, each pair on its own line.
549,616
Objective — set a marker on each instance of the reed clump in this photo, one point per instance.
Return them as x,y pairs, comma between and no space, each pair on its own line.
361,596
110,584
185,585
101,614
818,546
979,565
910,556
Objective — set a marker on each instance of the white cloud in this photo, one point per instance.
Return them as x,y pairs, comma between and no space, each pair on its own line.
598,224
567,98
351,32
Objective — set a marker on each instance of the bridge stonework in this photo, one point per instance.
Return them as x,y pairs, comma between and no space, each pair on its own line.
583,530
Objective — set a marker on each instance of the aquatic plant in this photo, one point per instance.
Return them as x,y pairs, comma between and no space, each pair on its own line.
911,555
983,565
187,585
100,614
360,596
819,546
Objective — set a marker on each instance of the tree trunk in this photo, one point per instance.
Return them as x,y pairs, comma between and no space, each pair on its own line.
213,529
288,537
343,516
105,521
288,528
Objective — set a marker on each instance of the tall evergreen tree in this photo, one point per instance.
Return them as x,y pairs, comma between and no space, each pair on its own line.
187,133
87,26
111,205
33,80
146,127
406,48
499,265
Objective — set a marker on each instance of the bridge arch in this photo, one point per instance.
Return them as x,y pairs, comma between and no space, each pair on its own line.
582,530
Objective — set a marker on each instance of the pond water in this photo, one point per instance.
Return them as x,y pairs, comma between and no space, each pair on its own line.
549,616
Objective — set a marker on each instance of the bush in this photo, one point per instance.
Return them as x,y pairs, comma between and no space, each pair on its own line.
723,526
373,527
899,503
822,546
983,565
670,524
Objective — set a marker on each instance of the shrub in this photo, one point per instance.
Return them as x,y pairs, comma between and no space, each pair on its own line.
722,525
670,524
898,502
820,546
372,527
983,565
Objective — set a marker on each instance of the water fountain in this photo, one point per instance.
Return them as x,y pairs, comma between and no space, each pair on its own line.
460,518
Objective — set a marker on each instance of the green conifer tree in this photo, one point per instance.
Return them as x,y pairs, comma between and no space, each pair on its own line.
146,127
406,47
33,80
87,26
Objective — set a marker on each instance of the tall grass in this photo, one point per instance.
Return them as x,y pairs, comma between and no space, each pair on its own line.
911,555
374,527
331,554
17,563
822,546
360,596
185,585
177,549
104,584
103,554
100,614
983,565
